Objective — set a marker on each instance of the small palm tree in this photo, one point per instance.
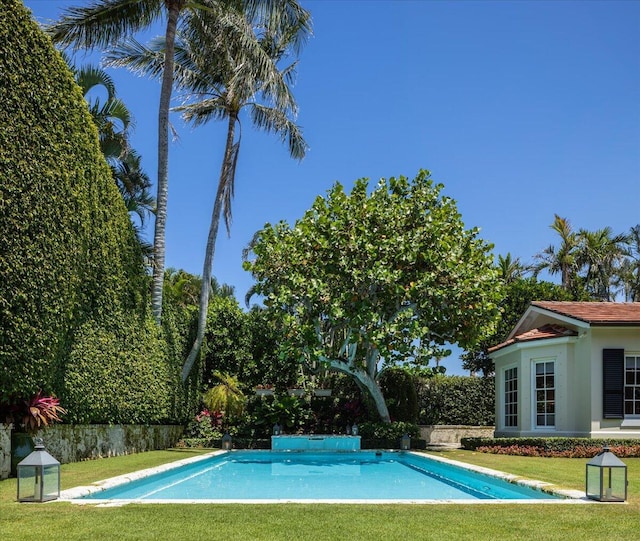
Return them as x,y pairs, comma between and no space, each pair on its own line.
563,259
226,397
601,253
511,269
629,272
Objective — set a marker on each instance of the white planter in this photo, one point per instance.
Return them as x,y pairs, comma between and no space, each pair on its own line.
264,392
322,392
296,392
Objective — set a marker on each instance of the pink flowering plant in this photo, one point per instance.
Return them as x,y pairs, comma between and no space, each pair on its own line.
206,426
38,411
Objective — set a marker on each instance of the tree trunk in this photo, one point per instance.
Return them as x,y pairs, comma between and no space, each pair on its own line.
368,382
173,9
211,247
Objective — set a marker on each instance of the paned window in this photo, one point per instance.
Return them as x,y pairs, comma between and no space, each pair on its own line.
545,393
511,397
632,386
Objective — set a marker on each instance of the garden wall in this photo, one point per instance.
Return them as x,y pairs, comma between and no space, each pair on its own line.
72,443
452,434
5,450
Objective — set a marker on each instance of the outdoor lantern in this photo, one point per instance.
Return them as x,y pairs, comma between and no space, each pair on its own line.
405,442
354,429
227,444
606,477
38,476
277,429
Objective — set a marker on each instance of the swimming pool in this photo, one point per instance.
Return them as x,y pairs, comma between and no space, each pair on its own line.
304,476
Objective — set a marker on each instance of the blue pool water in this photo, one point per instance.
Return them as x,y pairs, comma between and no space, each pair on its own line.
360,475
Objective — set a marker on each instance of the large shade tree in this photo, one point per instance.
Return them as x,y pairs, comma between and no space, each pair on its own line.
367,280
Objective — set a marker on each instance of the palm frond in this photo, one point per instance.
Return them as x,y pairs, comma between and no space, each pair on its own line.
90,76
275,121
102,23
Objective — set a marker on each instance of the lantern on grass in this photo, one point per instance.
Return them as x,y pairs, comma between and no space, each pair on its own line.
38,476
405,442
606,477
227,444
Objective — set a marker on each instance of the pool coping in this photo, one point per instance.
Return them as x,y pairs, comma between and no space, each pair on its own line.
75,495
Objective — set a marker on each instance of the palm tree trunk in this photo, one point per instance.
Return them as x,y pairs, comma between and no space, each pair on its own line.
173,8
227,165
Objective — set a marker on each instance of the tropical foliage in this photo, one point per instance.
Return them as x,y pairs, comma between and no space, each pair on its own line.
382,277
600,264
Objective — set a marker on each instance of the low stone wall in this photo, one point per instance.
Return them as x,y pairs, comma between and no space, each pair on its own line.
452,434
72,443
5,450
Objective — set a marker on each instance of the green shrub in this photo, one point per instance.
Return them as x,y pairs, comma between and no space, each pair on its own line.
399,390
457,400
552,447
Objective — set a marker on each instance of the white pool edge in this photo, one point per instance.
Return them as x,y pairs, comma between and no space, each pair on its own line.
75,495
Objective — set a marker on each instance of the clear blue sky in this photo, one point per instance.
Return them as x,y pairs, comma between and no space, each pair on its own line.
521,109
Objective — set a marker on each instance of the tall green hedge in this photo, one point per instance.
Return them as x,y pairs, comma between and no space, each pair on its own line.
68,255
457,400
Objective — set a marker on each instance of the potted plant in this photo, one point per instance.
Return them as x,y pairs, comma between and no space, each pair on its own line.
28,416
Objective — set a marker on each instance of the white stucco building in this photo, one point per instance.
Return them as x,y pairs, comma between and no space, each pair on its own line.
570,369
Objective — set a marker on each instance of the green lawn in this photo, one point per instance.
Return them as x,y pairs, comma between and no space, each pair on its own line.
324,522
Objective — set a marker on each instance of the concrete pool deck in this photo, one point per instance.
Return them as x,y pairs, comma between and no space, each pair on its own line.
76,495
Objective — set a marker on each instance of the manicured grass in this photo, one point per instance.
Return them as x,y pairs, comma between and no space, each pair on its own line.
324,522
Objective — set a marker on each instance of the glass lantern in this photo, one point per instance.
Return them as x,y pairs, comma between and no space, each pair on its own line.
405,442
227,443
606,477
38,476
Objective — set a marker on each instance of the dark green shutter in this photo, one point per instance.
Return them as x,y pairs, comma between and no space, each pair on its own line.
613,383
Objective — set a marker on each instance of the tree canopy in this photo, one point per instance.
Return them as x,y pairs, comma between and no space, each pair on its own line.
368,280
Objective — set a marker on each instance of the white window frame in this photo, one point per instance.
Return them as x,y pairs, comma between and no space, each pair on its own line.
635,358
506,392
534,392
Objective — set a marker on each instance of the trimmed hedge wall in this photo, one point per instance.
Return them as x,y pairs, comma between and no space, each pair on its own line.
73,290
552,447
457,400
68,253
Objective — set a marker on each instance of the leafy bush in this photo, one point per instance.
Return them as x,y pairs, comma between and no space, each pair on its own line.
399,390
293,414
388,431
457,400
551,447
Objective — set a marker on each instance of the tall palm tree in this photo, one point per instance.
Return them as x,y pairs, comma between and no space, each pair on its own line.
221,79
232,86
105,23
563,259
629,273
601,253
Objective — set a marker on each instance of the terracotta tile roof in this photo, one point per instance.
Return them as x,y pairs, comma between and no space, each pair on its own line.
596,313
541,333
